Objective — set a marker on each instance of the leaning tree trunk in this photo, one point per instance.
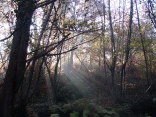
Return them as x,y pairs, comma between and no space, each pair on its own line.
17,62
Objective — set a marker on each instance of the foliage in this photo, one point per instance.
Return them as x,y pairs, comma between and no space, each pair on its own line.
82,108
54,109
124,110
74,114
31,113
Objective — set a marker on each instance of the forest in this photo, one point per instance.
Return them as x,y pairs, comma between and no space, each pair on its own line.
77,58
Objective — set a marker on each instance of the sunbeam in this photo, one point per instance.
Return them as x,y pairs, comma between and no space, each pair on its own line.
80,81
49,90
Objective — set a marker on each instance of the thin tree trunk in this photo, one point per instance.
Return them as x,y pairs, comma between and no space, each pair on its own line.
103,22
103,34
54,82
123,71
113,49
143,46
71,59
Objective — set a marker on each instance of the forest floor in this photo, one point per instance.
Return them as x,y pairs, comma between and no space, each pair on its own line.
75,85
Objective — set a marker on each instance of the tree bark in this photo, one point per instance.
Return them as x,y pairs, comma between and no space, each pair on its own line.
142,39
18,55
113,48
123,69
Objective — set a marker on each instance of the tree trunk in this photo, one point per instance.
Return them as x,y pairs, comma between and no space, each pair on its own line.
71,59
123,69
54,82
18,54
142,38
113,48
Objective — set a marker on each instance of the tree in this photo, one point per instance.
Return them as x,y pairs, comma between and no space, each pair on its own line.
143,46
17,61
150,5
